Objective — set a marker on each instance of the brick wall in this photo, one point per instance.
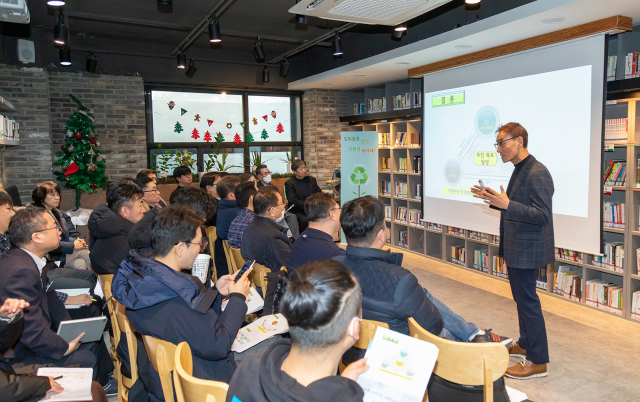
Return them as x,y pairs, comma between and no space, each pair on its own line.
321,128
117,104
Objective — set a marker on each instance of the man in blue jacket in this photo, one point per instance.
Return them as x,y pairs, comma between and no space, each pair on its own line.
163,302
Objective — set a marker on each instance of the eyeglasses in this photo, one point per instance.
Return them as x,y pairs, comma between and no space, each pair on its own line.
339,209
56,227
151,191
499,143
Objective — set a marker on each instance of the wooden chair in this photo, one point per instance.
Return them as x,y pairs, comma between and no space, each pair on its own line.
230,261
105,283
121,324
260,277
466,363
212,236
162,356
189,388
367,332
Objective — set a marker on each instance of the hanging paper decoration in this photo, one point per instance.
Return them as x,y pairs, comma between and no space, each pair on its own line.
280,129
91,166
194,134
255,121
171,105
273,114
237,139
209,121
207,136
197,117
264,135
182,111
219,138
229,125
249,139
178,128
243,124
265,117
99,158
91,151
71,169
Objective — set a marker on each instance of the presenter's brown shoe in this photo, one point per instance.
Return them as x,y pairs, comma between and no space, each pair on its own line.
525,370
516,351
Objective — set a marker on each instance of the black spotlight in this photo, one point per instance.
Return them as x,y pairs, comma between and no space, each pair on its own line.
60,33
401,27
472,4
182,60
92,63
284,68
301,19
337,46
258,52
191,71
397,35
65,56
214,31
265,74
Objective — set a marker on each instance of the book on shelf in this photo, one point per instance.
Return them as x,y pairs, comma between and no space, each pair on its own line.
458,255
495,239
570,255
604,295
632,65
386,163
479,236
638,173
418,192
401,102
385,187
415,140
402,139
499,269
568,283
402,165
433,226
615,131
616,174
613,215
401,189
613,258
9,128
415,217
401,214
635,305
376,105
612,61
481,260
597,261
456,231
541,279
358,108
417,164
417,99
387,212
384,139
403,239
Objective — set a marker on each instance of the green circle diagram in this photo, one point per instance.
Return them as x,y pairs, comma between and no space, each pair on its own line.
354,176
487,122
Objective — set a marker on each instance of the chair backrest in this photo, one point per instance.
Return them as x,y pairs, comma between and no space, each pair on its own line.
259,277
105,283
189,388
212,236
162,356
13,192
466,363
230,261
238,259
367,332
121,324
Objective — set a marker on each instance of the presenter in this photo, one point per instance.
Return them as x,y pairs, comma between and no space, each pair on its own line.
298,188
526,243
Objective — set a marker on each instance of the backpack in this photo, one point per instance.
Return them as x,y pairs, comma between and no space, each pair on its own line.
276,286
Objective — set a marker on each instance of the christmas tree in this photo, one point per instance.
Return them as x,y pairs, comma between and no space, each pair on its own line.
249,138
80,166
264,135
178,128
194,134
207,136
280,129
236,139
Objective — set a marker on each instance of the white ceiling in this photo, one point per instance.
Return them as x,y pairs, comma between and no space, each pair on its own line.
511,26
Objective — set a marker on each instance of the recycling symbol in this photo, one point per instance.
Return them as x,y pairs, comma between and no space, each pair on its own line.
359,176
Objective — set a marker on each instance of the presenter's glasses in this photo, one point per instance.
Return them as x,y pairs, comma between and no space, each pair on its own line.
499,143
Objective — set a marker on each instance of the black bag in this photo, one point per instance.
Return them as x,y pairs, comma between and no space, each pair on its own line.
441,390
276,286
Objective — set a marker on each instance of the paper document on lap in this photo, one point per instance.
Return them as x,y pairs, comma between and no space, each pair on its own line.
260,330
254,301
75,381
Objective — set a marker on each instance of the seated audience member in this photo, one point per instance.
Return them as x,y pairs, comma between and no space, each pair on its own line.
362,221
209,183
264,176
264,240
6,212
291,220
152,175
151,195
110,224
316,243
25,387
162,302
73,250
227,212
245,177
244,197
34,233
298,188
323,306
182,174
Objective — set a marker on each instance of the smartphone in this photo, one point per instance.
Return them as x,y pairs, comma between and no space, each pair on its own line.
481,184
247,264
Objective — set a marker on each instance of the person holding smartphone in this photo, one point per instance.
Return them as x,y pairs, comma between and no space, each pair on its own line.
166,304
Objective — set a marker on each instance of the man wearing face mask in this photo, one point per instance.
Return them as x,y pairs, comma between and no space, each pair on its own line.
264,239
264,176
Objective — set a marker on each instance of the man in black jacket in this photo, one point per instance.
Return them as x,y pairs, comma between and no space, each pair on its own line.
298,188
264,240
162,302
110,225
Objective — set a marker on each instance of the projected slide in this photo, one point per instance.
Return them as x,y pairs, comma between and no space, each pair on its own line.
460,131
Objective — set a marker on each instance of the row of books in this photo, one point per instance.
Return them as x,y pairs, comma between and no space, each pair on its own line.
570,255
415,217
567,282
616,173
387,212
403,239
635,305
401,189
385,187
376,105
481,260
402,164
458,254
605,295
386,163
613,257
612,61
433,226
499,268
615,131
485,237
402,101
9,129
613,214
385,139
407,139
358,108
417,164
401,214
456,231
632,65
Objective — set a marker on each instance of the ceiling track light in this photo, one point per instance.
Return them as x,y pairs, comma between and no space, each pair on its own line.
397,35
337,45
214,30
265,74
472,4
92,63
401,27
55,3
191,71
301,18
258,51
65,56
60,32
284,67
182,60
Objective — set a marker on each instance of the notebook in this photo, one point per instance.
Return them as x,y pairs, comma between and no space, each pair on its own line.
94,327
74,292
75,381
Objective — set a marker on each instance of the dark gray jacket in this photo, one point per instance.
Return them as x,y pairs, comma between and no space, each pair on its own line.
264,240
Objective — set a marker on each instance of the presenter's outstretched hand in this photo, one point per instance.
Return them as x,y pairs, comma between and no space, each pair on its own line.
491,197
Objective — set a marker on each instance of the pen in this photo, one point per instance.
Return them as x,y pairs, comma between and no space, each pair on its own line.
58,377
93,300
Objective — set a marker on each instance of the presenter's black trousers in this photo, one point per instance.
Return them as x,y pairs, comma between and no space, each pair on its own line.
533,333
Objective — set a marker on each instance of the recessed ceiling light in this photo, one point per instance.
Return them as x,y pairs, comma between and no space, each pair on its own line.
359,75
463,46
552,20
402,63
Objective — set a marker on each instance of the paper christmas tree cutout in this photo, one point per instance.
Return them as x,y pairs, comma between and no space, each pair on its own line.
280,129
236,139
194,134
243,124
178,128
249,138
207,136
264,135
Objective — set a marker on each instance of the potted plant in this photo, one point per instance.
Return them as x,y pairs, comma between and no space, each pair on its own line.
162,163
288,160
256,160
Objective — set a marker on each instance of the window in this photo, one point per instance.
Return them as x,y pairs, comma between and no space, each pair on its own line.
275,157
277,115
226,159
165,160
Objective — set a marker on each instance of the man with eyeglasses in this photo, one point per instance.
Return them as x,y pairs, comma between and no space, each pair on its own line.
152,175
526,243
264,176
151,195
316,242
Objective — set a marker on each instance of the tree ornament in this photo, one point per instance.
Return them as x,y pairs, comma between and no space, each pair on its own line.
207,136
209,121
182,112
229,125
255,121
194,134
237,139
99,158
219,138
98,144
265,117
249,138
171,105
91,167
93,186
63,147
273,114
71,169
91,151
69,133
243,124
78,135
264,135
178,128
197,117
72,148
92,141
92,135
87,113
280,129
